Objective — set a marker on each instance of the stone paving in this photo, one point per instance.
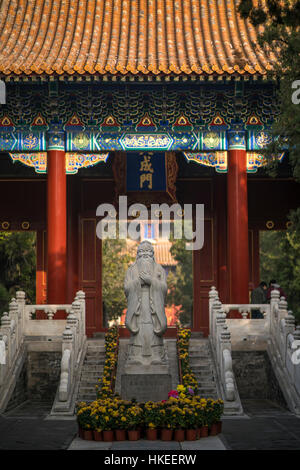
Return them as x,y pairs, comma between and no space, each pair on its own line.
265,426
208,443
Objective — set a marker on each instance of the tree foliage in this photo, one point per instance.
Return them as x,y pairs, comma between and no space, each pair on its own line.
115,261
180,282
17,266
280,36
280,260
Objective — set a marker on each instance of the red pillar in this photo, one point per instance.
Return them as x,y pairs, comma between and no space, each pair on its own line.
56,227
221,215
237,210
73,194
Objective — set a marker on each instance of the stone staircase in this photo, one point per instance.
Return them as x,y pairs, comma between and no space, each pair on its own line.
202,365
92,370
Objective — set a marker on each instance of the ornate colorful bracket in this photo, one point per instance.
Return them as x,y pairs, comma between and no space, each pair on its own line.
218,160
74,161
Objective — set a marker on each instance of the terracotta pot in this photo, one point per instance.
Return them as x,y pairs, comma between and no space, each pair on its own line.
190,434
80,432
166,434
151,434
219,424
179,435
204,431
108,436
120,435
88,435
213,429
98,436
133,434
198,433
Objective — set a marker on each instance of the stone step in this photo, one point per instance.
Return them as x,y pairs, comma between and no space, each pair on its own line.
86,398
207,384
99,354
92,362
89,375
201,364
98,350
93,368
203,372
207,391
86,390
88,383
96,345
200,360
212,396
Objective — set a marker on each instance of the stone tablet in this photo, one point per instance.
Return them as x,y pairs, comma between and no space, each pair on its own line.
146,387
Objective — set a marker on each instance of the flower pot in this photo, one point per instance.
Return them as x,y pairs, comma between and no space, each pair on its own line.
108,436
204,431
98,436
80,432
190,434
166,434
151,434
219,424
88,435
179,435
133,435
213,429
198,433
120,435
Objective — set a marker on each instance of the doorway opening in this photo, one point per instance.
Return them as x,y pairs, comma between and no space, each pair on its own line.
17,266
170,253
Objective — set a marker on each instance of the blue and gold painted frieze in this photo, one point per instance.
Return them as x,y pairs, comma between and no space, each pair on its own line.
87,141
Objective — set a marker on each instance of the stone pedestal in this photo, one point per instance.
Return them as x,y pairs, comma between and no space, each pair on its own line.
146,384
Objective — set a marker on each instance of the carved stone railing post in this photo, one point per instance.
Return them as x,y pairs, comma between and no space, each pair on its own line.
20,298
13,314
274,309
295,357
66,365
213,296
72,322
226,361
216,308
220,320
80,297
6,336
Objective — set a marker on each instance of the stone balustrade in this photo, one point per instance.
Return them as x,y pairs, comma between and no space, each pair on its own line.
221,346
19,325
274,332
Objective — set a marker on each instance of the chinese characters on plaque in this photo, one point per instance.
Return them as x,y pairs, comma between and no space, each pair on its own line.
146,171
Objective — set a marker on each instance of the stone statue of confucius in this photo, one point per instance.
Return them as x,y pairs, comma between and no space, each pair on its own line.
145,289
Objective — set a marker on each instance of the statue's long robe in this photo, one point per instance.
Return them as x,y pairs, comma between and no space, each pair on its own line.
145,317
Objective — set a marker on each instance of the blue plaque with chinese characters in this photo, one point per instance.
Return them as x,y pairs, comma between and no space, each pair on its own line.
146,171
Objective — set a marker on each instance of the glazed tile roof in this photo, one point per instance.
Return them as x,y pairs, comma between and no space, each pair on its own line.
127,37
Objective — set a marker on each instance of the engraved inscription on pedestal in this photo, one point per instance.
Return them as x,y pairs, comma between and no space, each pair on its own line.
146,387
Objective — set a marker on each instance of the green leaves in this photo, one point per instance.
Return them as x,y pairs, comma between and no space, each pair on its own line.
17,266
115,261
280,260
180,283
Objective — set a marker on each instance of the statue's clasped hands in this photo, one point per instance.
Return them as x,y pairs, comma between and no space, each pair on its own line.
145,277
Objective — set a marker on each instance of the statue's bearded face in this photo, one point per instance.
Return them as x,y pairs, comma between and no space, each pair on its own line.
145,259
